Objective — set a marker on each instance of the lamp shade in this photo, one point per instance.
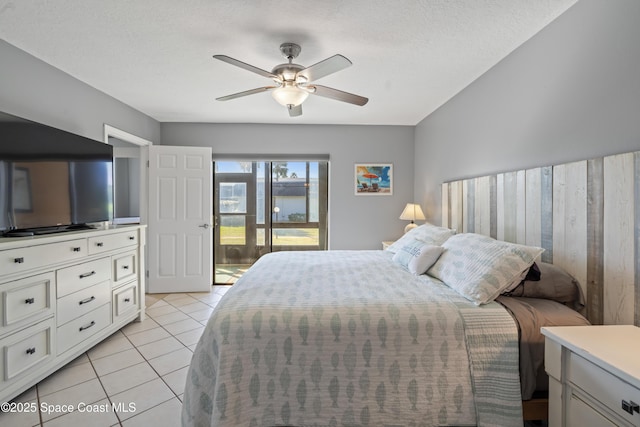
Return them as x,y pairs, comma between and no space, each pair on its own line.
289,94
412,212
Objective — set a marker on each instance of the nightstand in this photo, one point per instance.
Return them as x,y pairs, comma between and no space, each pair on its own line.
386,244
594,375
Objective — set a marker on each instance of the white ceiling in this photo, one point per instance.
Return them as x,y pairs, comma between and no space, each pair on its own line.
409,56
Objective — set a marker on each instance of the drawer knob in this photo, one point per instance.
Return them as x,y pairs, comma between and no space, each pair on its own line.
127,300
29,300
99,244
31,350
84,328
18,260
85,301
91,273
125,267
76,249
132,238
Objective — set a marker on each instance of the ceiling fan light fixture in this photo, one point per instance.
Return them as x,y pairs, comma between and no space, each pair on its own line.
289,94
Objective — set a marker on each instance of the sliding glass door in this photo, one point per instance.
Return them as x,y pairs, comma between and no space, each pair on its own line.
262,207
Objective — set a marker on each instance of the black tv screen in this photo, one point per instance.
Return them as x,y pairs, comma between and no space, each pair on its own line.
51,180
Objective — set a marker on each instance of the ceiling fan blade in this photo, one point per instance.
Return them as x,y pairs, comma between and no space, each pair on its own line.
339,95
295,111
325,67
245,93
244,65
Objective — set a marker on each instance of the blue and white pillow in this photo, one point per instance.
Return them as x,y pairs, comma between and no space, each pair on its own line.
480,268
417,256
426,233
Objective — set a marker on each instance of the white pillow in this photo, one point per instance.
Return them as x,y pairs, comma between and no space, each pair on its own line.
417,256
426,233
479,268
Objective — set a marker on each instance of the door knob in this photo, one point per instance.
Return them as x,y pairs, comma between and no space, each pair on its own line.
205,226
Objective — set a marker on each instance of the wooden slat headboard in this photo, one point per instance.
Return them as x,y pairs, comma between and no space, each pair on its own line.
585,214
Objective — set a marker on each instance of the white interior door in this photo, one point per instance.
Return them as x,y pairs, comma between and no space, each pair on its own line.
179,226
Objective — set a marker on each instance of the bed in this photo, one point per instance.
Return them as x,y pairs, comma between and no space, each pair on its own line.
360,338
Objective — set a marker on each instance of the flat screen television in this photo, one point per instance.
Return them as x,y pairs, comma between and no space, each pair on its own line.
51,180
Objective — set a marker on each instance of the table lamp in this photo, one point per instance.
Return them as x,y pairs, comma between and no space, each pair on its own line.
412,212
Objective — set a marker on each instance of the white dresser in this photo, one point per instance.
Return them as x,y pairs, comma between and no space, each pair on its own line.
594,375
61,294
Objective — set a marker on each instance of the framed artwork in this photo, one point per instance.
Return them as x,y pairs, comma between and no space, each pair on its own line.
373,179
21,197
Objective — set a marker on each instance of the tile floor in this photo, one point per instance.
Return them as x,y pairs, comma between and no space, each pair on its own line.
140,371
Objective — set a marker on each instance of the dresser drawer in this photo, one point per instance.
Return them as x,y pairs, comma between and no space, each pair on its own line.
23,259
77,277
82,328
26,301
582,415
26,349
125,300
109,242
125,267
81,302
606,388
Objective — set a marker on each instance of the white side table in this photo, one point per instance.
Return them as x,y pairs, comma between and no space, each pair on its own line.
594,375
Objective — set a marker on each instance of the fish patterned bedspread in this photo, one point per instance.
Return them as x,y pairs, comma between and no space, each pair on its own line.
350,338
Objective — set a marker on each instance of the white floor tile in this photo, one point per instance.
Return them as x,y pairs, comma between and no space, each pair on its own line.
136,327
172,361
162,310
151,335
202,315
26,395
117,361
65,378
176,380
158,348
78,360
173,297
109,347
182,326
28,417
171,318
143,397
86,392
198,295
196,306
211,299
221,290
158,303
127,378
191,337
166,414
187,300
96,414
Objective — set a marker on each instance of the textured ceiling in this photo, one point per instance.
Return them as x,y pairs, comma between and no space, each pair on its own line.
409,56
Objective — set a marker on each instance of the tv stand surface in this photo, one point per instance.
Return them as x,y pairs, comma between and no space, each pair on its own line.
41,231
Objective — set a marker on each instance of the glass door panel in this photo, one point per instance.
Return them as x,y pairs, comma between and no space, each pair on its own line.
295,195
299,206
235,211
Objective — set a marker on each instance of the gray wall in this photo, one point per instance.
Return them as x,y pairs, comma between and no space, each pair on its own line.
571,92
355,222
34,90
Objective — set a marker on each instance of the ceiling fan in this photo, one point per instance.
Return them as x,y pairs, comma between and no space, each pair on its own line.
293,82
